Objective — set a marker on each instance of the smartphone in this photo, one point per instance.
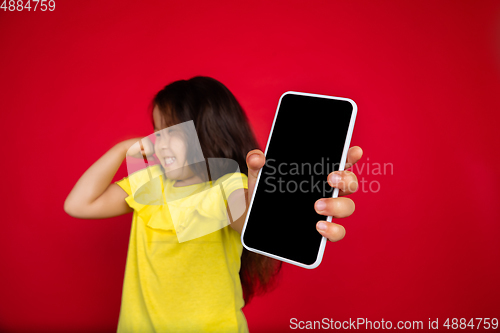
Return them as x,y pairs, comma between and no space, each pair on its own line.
309,139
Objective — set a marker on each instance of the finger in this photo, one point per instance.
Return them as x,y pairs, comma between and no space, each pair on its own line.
335,207
354,154
147,147
332,231
345,181
255,161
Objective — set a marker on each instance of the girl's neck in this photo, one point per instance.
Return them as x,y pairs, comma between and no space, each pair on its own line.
189,181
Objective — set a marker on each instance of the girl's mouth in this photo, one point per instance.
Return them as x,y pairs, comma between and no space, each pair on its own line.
169,161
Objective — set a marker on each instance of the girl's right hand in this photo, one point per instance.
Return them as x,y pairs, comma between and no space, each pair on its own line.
135,150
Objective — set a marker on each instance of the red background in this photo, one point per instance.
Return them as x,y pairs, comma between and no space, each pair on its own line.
425,77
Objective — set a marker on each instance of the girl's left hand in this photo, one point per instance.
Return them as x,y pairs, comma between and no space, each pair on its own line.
345,181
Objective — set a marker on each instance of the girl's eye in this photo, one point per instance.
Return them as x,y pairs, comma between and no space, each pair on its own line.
157,134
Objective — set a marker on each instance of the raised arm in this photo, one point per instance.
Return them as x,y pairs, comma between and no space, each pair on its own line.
93,197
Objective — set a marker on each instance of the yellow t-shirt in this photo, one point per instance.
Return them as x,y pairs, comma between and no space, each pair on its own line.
192,286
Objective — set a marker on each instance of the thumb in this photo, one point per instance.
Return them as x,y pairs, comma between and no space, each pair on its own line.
255,161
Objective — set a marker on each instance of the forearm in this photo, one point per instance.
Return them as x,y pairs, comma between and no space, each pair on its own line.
99,176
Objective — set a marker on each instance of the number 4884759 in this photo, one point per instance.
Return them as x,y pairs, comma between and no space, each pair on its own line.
19,5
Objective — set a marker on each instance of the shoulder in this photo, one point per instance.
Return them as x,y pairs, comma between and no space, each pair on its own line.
233,181
144,188
139,178
124,183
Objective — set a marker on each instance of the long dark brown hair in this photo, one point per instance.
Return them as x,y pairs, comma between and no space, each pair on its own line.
224,132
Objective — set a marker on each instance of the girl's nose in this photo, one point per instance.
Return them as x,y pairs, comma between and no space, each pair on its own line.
163,141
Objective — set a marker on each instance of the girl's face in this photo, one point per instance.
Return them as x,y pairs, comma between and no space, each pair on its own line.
171,149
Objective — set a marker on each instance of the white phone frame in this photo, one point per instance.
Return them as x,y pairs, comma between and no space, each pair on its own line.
335,192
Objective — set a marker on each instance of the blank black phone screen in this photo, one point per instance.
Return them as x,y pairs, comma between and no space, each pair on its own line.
306,144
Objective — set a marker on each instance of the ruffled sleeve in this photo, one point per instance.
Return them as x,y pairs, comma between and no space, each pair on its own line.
125,185
145,196
144,188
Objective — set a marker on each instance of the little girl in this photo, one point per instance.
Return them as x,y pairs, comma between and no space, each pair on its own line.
201,282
